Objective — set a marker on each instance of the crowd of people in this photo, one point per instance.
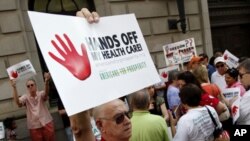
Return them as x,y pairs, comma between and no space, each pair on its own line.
189,104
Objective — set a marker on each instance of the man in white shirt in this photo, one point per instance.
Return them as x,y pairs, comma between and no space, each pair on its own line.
218,77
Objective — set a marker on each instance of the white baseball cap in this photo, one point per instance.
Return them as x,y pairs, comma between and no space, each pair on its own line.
219,59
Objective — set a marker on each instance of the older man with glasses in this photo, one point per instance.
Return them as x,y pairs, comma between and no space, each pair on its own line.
218,77
112,119
244,74
39,119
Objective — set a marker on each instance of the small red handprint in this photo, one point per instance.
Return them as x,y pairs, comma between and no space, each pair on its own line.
78,65
164,74
14,74
234,110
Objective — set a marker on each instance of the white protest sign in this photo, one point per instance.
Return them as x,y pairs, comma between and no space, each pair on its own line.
235,109
93,63
22,70
231,60
230,93
179,52
164,72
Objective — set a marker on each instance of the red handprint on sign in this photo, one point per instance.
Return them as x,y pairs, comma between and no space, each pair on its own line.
77,64
234,110
14,74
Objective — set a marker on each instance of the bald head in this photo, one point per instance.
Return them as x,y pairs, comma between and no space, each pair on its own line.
140,100
107,108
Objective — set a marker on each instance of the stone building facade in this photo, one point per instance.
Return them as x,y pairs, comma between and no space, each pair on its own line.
17,41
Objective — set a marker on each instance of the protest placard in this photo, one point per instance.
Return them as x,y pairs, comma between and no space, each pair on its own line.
93,63
164,72
231,60
235,109
179,52
230,93
22,70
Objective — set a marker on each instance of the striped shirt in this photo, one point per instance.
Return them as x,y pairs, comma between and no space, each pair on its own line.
244,118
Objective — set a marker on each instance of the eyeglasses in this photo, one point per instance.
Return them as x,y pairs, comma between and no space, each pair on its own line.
31,85
242,74
119,118
219,66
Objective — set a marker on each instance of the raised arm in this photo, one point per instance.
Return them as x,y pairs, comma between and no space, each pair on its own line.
15,94
46,83
80,123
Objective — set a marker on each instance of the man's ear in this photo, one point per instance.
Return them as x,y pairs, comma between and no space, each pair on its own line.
99,124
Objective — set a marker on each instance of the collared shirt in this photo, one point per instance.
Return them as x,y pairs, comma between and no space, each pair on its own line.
148,127
37,113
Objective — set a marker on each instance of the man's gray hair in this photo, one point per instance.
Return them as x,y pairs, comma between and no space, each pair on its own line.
140,100
245,64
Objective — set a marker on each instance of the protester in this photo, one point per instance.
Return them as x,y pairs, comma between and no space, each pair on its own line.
201,74
10,126
231,78
146,126
206,99
173,91
39,120
218,77
157,104
80,123
209,67
196,124
244,107
112,119
194,63
216,54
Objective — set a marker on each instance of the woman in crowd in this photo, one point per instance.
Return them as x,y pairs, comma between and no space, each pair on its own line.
231,78
188,78
157,104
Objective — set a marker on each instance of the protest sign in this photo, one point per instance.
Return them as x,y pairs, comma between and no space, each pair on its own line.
179,52
93,63
235,109
230,93
22,70
164,72
231,60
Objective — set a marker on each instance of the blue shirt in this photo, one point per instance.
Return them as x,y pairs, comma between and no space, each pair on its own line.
173,97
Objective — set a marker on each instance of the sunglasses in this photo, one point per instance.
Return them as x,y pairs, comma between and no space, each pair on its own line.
242,74
31,85
219,66
119,118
